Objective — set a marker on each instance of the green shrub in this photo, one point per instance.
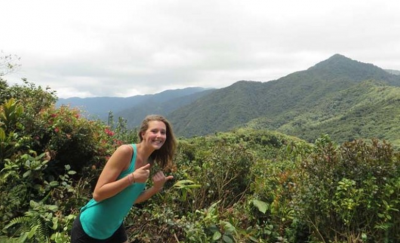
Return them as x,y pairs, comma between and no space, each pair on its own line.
350,192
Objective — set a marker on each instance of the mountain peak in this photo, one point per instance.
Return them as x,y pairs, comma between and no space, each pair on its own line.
339,56
339,65
336,60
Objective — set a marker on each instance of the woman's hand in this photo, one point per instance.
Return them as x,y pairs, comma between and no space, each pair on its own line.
141,174
159,180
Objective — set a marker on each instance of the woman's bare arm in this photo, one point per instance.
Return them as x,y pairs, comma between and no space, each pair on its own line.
107,184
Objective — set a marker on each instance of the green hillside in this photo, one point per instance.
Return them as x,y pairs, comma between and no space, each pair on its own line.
221,109
366,110
339,96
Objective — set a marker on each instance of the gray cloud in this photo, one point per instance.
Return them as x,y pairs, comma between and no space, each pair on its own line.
99,48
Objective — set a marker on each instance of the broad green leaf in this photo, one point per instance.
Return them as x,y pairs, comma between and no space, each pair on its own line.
26,174
364,236
55,223
33,204
33,231
262,206
217,235
253,239
186,184
53,207
227,239
23,237
228,227
54,183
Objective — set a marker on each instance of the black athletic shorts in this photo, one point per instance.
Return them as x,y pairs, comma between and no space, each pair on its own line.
78,235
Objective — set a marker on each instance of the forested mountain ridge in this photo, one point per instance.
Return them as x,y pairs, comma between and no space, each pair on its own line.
281,104
212,112
366,110
99,107
134,114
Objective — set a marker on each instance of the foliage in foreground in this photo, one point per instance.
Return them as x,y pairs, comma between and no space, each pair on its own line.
241,186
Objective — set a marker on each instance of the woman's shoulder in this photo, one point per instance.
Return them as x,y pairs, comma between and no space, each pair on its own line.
125,149
124,154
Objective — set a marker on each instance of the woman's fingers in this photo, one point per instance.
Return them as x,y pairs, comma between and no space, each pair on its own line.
142,174
159,179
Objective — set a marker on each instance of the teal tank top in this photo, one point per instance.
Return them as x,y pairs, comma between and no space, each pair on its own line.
101,219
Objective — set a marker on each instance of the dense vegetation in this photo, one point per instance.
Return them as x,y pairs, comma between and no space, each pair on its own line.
246,185
365,110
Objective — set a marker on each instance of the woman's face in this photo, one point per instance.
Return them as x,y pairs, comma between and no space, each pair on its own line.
155,135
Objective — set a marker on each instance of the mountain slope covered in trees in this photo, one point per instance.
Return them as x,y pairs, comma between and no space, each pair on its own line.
99,107
315,95
366,110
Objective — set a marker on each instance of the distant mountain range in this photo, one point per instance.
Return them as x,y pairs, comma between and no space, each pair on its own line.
344,98
100,107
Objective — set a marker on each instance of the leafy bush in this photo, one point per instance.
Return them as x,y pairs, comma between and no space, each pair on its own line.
350,192
38,143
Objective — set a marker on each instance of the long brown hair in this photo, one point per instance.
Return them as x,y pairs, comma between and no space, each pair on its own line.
165,155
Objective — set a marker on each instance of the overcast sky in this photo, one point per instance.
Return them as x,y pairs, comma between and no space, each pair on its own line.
126,48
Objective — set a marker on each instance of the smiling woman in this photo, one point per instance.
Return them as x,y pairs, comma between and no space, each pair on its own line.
122,183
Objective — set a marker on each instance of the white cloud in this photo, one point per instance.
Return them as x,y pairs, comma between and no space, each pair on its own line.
124,48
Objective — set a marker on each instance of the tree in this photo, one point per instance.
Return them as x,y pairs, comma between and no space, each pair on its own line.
8,63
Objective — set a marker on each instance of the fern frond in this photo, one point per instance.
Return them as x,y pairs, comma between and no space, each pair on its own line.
18,220
42,232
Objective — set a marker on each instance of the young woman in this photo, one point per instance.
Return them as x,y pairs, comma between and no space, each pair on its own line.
122,183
